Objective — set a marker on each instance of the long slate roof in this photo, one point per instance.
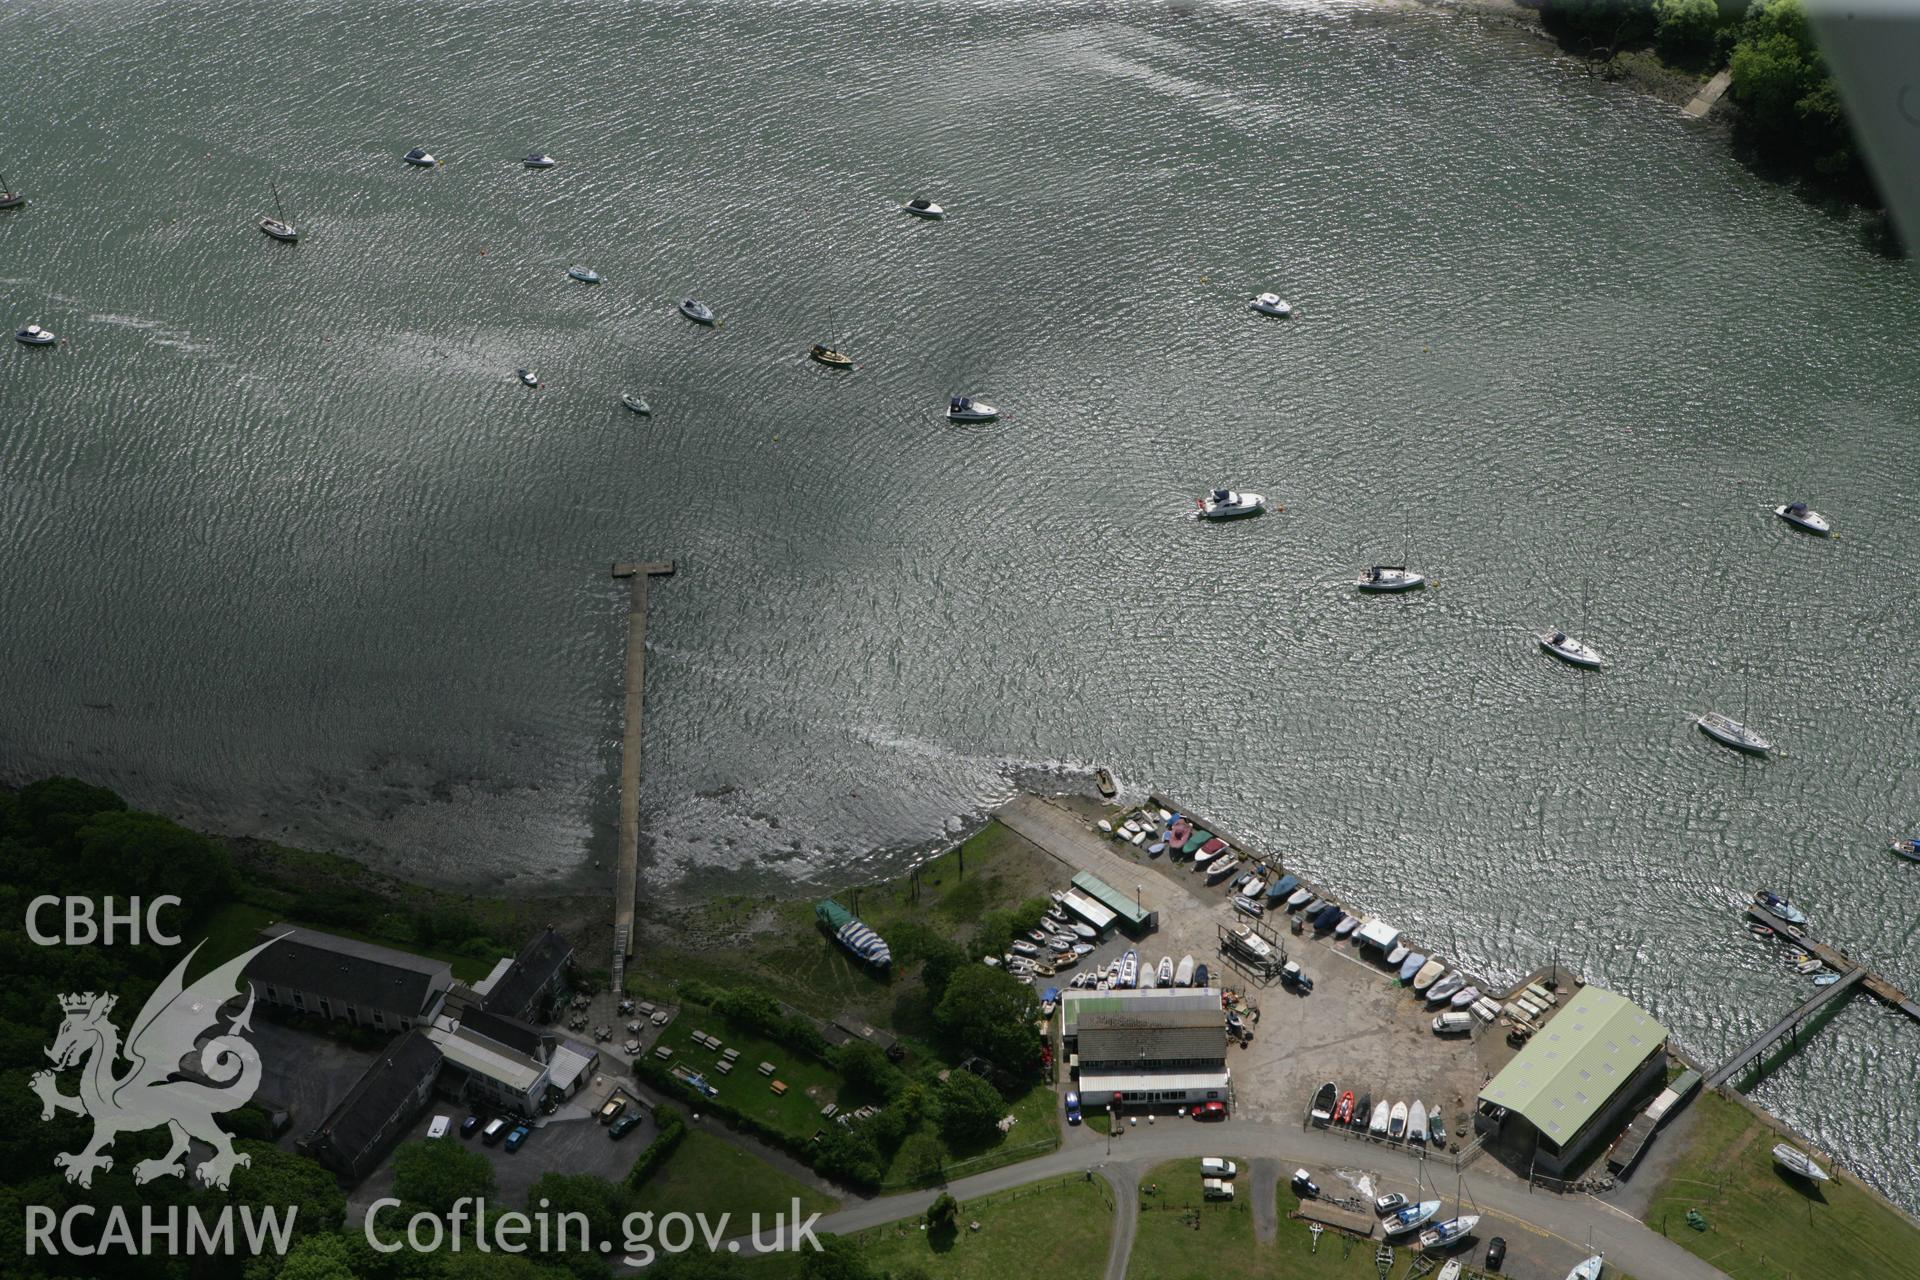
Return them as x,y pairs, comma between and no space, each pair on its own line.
359,973
532,969
1573,1066
357,1125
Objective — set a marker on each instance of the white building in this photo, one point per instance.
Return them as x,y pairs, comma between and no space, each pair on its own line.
1159,1047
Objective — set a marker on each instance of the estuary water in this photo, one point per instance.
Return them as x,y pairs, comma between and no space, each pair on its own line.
289,552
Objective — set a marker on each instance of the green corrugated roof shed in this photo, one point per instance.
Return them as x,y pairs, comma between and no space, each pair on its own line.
1573,1066
1121,904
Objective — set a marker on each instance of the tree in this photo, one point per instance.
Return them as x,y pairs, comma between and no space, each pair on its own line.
318,1257
146,855
433,1175
847,1154
943,959
988,1012
280,1180
600,1202
944,1213
836,1260
922,1158
1686,29
866,1068
969,1109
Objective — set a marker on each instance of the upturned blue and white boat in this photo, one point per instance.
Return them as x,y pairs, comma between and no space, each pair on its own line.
850,933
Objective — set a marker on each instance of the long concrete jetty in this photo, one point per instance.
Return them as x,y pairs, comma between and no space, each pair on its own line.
632,752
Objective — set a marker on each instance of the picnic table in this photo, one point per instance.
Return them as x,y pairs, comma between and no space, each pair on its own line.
779,1087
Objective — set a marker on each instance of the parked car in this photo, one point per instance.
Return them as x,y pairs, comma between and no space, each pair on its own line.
470,1126
1210,1111
438,1129
1216,1189
1073,1108
624,1125
1217,1167
518,1136
1303,1186
1388,1203
496,1129
1496,1252
611,1111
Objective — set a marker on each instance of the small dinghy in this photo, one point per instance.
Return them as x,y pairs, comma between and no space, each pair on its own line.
1271,304
1200,976
539,160
527,376
1401,1221
1908,849
636,404
696,311
585,275
1163,974
1802,516
1083,931
1323,1100
1228,504
1183,974
1389,577
1382,1116
1223,866
1569,650
1299,898
1346,926
34,336
1464,997
1157,848
420,156
1826,979
1397,1122
1246,906
1180,832
924,209
1130,969
1411,965
1395,956
1780,907
1726,729
1417,1122
1444,989
1444,1234
1588,1270
1451,1271
1362,1111
1282,888
1429,974
1436,1128
836,360
967,409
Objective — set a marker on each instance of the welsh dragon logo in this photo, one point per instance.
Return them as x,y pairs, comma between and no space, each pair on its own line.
152,1091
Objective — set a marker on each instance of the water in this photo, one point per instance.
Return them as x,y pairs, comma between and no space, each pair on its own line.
288,552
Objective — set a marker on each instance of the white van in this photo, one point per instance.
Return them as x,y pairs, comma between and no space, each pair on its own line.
1453,1024
1215,1189
1215,1167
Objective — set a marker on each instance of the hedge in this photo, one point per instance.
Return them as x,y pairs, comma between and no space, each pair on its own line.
673,1129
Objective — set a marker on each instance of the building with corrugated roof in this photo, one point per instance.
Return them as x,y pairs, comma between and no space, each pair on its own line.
1573,1081
1164,1046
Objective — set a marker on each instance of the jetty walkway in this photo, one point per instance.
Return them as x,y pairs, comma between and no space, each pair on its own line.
632,751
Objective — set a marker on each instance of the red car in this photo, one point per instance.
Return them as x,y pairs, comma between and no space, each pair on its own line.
1210,1111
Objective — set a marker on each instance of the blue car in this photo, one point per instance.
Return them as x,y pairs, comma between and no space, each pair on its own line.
518,1136
1073,1108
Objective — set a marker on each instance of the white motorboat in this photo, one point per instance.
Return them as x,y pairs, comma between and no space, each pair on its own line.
1299,898
1082,948
1411,1218
1382,1116
1395,956
34,335
1183,976
922,208
1084,931
585,275
527,376
1417,1123
636,404
967,409
539,160
420,156
1272,304
1026,948
1347,925
1164,973
1451,1271
1397,1121
696,311
1223,866
1567,649
1254,887
1908,848
1726,729
1229,504
1130,969
1588,1270
1794,1160
1781,907
1246,906
1805,517
1444,989
1444,1234
1390,577
1429,974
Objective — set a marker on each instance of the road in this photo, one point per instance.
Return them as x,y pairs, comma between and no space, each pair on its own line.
1505,1206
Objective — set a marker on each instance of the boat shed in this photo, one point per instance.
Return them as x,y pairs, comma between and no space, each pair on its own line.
1098,917
1155,1047
1574,1080
1133,916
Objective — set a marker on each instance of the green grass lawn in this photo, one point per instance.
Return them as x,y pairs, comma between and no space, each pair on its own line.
1182,1237
1056,1229
811,1084
237,925
708,1175
1766,1225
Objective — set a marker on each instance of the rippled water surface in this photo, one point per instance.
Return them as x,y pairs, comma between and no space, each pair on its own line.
289,552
